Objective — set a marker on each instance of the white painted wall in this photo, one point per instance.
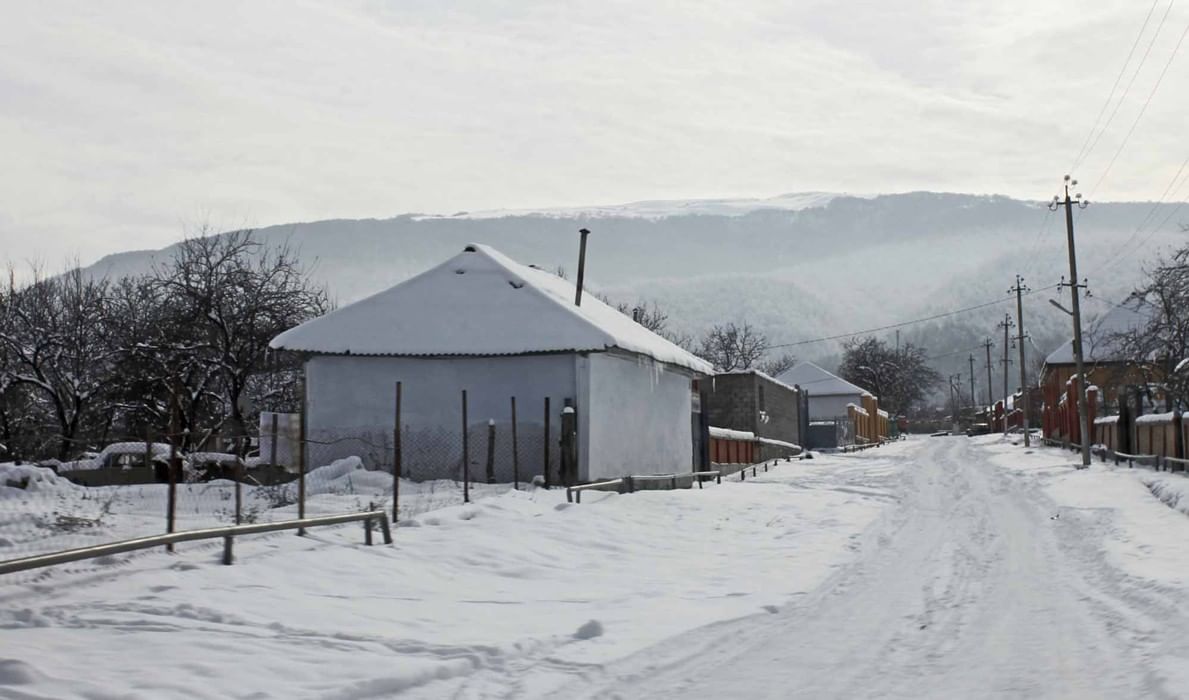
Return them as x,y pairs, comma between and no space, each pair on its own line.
354,397
637,417
825,407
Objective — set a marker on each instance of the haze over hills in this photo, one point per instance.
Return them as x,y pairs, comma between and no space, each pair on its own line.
799,266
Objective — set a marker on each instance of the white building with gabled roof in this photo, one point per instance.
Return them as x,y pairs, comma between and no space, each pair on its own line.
483,323
828,393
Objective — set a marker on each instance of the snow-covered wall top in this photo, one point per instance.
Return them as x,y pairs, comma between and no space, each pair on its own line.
728,434
1156,418
480,303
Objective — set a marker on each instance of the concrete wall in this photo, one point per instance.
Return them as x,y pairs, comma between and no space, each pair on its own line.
755,404
354,397
637,417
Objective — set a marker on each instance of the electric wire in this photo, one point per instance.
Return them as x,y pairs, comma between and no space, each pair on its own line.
925,319
1126,91
1083,152
1142,111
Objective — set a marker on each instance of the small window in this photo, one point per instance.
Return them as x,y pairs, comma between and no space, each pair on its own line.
760,391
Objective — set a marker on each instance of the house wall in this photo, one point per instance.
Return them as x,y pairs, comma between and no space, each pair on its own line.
354,397
637,417
825,407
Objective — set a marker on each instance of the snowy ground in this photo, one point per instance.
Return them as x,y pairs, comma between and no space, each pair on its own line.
938,567
494,598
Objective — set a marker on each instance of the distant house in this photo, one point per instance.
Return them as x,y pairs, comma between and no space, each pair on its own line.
1116,383
750,401
840,413
485,324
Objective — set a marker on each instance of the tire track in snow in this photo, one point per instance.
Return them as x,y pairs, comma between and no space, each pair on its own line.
967,589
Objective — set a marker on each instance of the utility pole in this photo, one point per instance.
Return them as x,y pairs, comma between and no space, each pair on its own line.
1019,289
987,345
1006,324
1079,360
955,397
973,401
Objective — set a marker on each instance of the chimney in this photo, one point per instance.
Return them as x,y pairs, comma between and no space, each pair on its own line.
581,266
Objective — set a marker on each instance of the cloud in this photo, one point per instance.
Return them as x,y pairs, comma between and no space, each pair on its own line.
119,120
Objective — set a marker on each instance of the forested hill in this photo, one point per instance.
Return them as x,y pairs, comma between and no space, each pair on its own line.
799,266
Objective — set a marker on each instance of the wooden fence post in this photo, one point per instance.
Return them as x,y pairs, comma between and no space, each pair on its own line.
545,470
239,477
302,455
515,450
466,454
397,456
272,457
171,515
491,450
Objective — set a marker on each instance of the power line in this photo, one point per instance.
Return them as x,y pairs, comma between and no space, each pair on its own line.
1083,152
1139,68
1138,117
1124,250
934,317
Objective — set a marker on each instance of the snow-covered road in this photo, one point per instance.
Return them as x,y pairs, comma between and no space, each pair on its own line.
975,585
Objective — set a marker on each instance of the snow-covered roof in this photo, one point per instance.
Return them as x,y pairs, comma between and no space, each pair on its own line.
818,382
1100,338
480,303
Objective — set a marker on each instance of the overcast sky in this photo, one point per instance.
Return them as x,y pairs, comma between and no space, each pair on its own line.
123,124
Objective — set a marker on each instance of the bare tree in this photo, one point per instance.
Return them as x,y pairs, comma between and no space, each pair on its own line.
240,294
900,378
55,339
1160,347
733,346
774,366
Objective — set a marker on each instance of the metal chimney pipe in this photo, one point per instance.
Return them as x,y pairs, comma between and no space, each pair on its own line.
581,266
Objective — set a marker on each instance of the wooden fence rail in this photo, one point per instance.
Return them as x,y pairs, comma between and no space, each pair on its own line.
227,533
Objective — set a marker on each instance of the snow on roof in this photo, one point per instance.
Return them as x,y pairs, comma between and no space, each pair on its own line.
1100,339
728,434
818,382
1156,418
480,303
758,373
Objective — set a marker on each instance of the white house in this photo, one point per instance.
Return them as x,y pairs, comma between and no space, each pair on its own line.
828,393
483,323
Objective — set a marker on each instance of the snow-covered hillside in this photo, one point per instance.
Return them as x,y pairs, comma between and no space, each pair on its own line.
799,266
